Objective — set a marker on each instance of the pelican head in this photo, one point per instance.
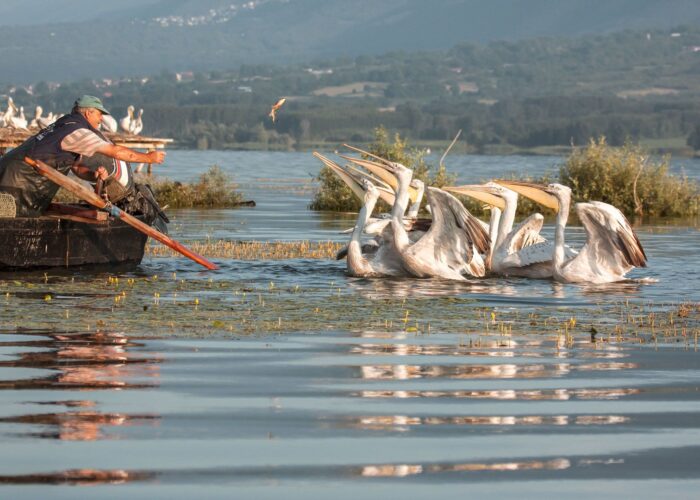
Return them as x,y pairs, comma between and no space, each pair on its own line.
547,196
371,191
490,193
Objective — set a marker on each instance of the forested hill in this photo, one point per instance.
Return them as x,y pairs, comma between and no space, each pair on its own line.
546,91
58,40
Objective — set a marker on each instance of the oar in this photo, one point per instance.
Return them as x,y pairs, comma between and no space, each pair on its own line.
85,194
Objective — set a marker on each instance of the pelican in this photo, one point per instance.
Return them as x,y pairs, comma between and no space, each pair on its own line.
37,115
417,186
9,113
275,107
137,123
109,123
352,176
612,248
19,122
451,247
125,123
521,251
359,264
44,122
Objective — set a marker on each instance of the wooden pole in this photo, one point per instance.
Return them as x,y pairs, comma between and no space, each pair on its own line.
85,194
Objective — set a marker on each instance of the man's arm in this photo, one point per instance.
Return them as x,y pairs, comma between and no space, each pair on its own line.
126,154
87,174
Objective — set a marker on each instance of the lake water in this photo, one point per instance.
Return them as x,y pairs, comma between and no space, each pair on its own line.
129,382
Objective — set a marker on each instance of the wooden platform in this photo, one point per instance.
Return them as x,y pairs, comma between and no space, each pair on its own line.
11,138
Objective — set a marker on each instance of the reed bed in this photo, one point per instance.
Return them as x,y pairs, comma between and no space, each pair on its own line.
168,305
254,250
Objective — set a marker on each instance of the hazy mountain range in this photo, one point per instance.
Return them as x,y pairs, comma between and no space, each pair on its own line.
56,40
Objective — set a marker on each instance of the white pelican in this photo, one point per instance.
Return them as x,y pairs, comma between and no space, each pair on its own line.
9,113
44,122
417,186
451,247
521,251
612,248
359,264
125,123
137,123
109,123
19,122
37,115
352,177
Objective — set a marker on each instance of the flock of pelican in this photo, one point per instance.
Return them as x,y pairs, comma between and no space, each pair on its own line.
13,117
455,245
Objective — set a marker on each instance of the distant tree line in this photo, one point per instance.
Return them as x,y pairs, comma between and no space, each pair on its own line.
543,92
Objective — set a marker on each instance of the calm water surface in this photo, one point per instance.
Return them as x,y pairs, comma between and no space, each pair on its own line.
375,412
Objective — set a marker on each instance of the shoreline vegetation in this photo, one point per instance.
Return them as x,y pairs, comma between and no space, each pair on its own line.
624,176
213,189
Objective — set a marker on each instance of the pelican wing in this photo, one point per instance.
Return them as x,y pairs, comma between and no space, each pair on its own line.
527,233
609,236
453,243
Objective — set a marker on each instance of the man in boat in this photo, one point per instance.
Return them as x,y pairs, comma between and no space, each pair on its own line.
120,188
62,145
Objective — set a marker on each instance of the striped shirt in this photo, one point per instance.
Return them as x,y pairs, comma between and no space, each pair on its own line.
83,142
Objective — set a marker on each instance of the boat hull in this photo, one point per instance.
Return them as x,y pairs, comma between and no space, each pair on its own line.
44,242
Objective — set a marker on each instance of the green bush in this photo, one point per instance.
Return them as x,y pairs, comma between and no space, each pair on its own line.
214,189
628,179
332,193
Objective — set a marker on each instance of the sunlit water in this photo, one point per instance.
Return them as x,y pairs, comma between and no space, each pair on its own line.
378,412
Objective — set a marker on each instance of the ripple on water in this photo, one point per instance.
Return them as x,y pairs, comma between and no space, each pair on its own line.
345,409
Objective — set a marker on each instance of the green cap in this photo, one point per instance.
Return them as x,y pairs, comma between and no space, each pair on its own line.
90,101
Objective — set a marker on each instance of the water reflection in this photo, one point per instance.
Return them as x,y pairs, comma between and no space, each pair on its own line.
475,367
96,360
395,287
84,477
403,423
82,362
405,470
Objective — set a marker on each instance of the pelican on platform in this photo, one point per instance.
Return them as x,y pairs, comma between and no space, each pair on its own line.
137,123
126,122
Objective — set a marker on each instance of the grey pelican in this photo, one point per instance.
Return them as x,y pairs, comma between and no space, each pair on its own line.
451,247
612,248
125,123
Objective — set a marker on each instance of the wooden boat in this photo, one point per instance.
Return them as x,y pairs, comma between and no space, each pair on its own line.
68,235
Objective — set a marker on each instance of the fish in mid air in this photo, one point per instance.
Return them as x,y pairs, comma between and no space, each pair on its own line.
276,106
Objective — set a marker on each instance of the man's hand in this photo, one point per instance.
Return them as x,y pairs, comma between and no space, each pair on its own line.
156,157
101,173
